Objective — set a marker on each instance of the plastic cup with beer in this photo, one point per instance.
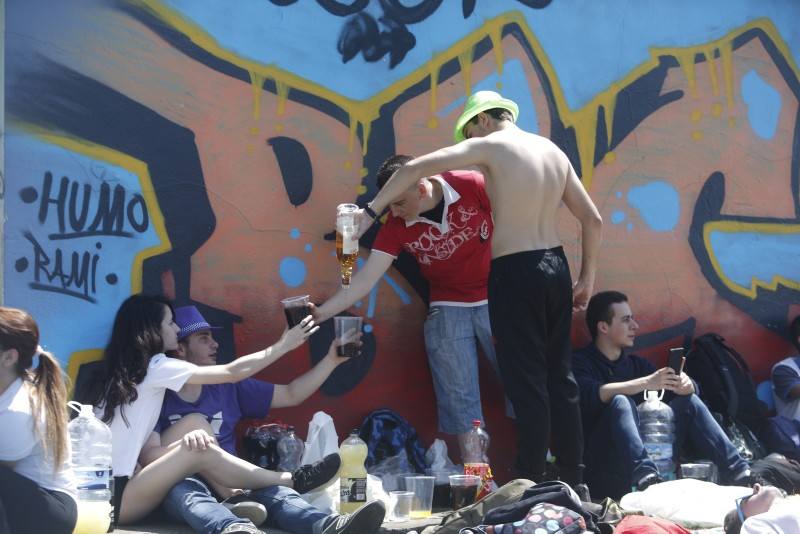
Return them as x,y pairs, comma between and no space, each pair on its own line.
346,240
347,328
422,486
94,517
296,309
463,490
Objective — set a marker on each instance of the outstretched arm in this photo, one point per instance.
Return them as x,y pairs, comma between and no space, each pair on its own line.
462,155
580,204
364,280
306,384
247,366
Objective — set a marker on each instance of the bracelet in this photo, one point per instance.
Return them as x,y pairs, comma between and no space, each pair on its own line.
370,212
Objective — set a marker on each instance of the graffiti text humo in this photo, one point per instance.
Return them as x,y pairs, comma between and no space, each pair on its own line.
114,213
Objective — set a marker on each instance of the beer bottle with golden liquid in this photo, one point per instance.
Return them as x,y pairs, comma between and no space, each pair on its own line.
346,241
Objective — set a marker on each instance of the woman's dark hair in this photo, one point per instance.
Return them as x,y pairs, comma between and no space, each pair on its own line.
135,338
19,331
732,524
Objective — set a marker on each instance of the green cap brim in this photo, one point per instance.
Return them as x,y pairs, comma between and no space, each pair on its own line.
472,111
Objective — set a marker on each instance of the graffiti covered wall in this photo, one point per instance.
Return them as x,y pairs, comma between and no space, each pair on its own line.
199,148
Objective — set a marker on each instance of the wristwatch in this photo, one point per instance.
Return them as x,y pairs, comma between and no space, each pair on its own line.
371,212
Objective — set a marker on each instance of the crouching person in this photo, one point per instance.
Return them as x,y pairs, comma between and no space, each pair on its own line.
221,407
612,383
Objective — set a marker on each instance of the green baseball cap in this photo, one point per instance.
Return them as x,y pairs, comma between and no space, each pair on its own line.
479,102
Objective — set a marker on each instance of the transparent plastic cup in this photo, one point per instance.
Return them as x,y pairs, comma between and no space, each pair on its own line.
463,490
422,486
346,327
400,502
296,309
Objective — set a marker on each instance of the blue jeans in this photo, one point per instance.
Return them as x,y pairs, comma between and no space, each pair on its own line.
193,502
615,455
452,334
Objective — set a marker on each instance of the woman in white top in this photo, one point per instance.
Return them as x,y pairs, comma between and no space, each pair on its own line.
128,398
37,486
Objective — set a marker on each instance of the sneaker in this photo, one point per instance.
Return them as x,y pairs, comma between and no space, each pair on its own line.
311,476
365,520
241,506
649,480
583,492
242,528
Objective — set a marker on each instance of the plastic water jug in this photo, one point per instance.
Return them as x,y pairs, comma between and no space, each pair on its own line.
352,474
290,451
90,440
657,429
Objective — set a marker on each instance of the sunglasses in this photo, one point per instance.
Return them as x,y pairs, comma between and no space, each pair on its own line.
739,502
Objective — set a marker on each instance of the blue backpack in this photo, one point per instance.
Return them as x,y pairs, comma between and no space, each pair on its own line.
386,433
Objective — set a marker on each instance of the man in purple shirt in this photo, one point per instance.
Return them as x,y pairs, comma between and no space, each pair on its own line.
223,405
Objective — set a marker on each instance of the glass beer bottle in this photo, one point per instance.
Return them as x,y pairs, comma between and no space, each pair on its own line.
346,240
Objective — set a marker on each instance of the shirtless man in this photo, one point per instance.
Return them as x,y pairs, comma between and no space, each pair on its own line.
531,295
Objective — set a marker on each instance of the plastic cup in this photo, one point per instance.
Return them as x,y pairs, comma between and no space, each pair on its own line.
463,490
400,480
296,309
422,487
401,502
346,328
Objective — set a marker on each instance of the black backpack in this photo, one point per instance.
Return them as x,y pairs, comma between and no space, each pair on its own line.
726,385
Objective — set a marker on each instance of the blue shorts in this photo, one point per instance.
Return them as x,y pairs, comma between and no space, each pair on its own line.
452,334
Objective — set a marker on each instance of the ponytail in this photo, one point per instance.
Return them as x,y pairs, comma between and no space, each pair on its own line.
50,397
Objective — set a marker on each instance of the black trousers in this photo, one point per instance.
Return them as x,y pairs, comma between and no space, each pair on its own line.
27,508
530,307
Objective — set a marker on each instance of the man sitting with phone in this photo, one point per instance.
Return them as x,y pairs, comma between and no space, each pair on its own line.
612,383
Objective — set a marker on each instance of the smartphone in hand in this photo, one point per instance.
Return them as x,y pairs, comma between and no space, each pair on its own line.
676,359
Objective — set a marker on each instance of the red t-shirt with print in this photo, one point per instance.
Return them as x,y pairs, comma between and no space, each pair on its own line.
454,257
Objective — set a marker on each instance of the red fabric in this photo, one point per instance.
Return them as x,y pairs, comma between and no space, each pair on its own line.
455,263
639,524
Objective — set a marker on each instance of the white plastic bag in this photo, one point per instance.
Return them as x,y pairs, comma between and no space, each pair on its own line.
321,440
437,459
688,502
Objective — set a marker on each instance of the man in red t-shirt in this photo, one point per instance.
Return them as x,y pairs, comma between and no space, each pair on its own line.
445,223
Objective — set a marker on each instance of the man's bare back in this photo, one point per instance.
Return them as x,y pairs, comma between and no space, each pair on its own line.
526,176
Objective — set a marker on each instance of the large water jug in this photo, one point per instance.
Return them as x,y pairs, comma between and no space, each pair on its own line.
290,451
90,440
657,429
352,474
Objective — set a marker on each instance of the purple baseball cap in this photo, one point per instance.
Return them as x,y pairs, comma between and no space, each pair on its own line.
189,319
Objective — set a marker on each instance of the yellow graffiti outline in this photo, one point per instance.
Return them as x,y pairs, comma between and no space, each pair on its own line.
583,119
742,227
139,169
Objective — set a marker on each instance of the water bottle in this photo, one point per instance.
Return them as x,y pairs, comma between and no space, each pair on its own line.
476,445
657,429
352,474
290,451
90,440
